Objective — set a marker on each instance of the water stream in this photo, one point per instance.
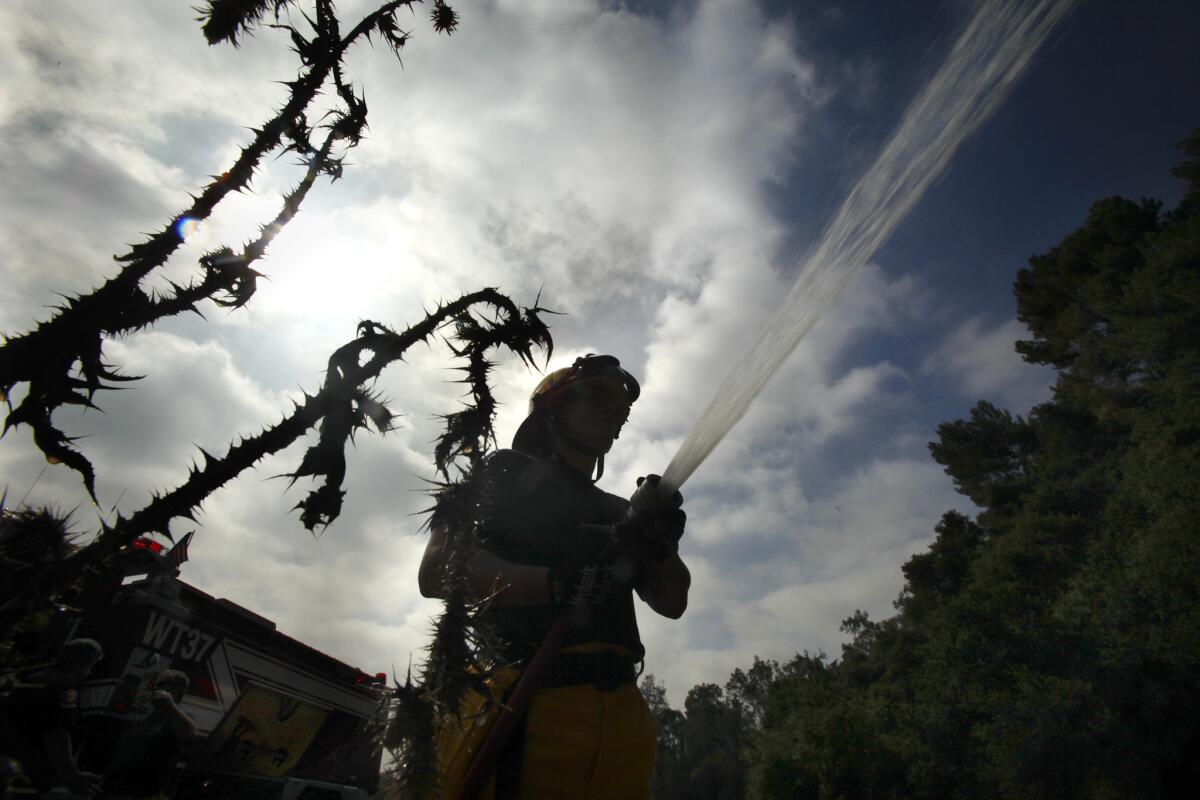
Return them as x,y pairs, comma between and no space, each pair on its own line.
989,55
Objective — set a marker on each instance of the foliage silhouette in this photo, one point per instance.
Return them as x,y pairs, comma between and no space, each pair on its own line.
1050,646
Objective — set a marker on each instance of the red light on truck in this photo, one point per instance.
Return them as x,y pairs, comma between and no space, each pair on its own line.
147,544
364,678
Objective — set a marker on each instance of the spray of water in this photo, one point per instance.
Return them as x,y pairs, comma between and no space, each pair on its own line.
985,62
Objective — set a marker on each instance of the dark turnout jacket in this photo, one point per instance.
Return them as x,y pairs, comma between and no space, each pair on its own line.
534,508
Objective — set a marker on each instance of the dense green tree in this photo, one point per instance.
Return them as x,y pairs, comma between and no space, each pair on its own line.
932,577
987,456
670,768
747,691
713,733
1050,647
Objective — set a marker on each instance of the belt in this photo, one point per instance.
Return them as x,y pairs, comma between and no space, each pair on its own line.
605,670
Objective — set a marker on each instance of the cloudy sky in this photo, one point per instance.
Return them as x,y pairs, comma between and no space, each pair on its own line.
656,170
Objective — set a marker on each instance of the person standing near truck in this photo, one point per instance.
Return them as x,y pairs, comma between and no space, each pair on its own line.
144,756
38,718
544,553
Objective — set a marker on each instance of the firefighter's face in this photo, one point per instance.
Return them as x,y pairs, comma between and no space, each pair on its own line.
594,412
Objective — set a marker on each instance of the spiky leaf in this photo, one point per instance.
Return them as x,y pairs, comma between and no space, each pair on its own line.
225,20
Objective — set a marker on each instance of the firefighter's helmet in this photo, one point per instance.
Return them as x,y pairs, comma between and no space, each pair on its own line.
535,436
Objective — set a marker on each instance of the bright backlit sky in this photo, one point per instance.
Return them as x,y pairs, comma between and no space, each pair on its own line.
656,170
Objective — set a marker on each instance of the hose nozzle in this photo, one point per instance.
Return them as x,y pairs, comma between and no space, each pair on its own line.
651,497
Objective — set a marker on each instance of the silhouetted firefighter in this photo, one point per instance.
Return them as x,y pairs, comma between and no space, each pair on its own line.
554,562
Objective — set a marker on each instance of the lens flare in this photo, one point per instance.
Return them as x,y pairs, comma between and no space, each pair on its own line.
188,229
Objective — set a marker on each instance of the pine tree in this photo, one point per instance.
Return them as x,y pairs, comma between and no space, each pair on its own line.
1050,646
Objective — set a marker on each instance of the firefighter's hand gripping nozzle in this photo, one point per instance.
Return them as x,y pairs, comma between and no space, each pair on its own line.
655,520
650,499
650,532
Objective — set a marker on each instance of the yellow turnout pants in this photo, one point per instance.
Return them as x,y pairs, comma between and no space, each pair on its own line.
581,743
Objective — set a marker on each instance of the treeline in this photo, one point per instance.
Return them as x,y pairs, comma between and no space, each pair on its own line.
1050,647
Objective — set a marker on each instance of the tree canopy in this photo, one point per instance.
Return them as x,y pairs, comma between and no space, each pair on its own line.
1050,647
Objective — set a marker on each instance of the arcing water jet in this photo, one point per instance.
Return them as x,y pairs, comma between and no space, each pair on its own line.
984,64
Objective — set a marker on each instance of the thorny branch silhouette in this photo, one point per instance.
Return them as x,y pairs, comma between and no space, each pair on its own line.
61,362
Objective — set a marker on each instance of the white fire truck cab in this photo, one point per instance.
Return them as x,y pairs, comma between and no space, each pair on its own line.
276,718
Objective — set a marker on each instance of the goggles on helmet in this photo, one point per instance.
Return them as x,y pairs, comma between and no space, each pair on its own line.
554,389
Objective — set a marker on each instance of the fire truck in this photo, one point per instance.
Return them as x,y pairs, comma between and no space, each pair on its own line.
276,717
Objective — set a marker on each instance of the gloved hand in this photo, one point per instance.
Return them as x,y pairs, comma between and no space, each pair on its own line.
579,583
654,535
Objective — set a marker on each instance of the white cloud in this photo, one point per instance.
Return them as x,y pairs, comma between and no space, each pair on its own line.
983,365
786,568
616,161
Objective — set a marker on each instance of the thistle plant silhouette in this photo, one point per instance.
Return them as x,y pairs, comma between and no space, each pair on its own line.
61,362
